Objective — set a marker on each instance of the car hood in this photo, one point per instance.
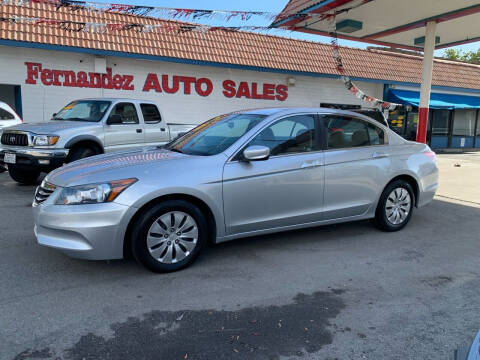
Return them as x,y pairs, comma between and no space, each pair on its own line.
52,127
117,166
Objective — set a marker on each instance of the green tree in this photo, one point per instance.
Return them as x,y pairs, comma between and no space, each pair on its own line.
468,56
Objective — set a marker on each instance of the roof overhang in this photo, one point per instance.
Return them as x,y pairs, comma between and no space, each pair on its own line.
392,23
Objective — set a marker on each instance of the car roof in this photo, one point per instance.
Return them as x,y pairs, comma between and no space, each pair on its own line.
295,110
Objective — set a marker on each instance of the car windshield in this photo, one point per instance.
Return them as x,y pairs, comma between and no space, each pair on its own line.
215,135
83,110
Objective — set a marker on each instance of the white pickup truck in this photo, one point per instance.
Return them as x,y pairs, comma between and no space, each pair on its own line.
83,128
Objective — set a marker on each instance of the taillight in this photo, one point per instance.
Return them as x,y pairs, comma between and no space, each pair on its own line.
431,155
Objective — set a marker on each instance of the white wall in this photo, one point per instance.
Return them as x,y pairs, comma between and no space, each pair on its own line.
40,101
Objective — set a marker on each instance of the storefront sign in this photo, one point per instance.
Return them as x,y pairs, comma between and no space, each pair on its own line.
167,84
80,79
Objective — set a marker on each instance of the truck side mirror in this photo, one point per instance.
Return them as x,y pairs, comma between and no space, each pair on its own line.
114,119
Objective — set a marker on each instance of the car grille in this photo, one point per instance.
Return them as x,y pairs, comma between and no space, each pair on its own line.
43,192
14,139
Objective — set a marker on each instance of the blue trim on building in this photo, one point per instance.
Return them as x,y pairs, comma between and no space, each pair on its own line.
211,63
18,100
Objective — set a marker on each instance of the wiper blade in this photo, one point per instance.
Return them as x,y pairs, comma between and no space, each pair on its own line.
176,150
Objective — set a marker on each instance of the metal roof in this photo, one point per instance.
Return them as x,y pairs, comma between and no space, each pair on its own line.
390,22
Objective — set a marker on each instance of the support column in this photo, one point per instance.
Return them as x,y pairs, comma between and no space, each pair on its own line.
426,84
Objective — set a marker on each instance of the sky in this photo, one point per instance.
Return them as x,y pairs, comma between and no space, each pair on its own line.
274,6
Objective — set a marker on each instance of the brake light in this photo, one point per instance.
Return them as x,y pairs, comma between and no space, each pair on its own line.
431,155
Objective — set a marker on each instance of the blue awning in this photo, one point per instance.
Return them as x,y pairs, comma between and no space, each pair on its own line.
437,101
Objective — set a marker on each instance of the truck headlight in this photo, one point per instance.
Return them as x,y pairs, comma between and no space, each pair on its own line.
93,193
45,140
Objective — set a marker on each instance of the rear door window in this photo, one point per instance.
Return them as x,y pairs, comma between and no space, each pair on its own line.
150,113
347,132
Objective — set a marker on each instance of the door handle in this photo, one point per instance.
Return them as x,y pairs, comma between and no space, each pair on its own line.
139,131
379,155
162,129
309,164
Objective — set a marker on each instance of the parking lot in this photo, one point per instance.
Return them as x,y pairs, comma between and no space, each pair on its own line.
337,292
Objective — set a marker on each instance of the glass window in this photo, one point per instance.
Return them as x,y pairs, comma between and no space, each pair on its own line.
464,122
396,120
345,132
5,115
83,110
215,135
440,123
294,134
412,123
150,112
375,134
127,112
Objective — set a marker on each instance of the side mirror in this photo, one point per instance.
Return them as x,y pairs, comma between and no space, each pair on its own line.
53,115
114,119
256,152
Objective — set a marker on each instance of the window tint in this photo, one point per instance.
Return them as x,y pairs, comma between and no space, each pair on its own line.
150,113
294,134
376,135
127,112
5,115
216,135
83,110
345,132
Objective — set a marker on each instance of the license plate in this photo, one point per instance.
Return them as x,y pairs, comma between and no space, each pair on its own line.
10,158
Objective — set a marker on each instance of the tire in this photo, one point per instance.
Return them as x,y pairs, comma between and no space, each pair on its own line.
80,153
25,177
154,238
397,198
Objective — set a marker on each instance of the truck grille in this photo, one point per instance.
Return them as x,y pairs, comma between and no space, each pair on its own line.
14,139
43,192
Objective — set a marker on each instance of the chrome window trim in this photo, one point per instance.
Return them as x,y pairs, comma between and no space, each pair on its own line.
382,127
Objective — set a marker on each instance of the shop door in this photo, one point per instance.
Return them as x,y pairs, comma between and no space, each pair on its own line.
463,133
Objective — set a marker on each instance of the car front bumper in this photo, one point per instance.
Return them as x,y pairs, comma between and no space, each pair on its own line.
93,231
39,158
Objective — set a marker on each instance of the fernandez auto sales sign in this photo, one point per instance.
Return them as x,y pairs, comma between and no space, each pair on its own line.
164,83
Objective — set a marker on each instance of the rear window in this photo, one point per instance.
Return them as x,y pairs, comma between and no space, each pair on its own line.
150,112
5,115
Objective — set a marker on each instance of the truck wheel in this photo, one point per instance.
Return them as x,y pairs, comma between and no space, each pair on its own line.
169,236
26,177
80,153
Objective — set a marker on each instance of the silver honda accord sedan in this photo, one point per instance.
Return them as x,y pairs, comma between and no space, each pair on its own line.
239,174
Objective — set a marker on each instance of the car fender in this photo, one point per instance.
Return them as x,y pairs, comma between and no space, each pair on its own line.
214,207
75,140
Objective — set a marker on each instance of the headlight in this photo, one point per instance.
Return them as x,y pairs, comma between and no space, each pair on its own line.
93,193
45,140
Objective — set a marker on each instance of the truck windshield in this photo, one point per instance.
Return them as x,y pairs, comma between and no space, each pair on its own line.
215,135
83,110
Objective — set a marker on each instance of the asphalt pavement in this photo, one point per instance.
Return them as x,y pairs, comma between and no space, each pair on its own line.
346,291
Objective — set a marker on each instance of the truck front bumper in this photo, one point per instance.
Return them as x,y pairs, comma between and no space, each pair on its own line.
38,158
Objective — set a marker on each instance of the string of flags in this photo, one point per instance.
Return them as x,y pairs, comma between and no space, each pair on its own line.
105,27
354,90
168,13
180,28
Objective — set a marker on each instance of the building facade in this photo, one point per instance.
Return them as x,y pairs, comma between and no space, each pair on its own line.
194,76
